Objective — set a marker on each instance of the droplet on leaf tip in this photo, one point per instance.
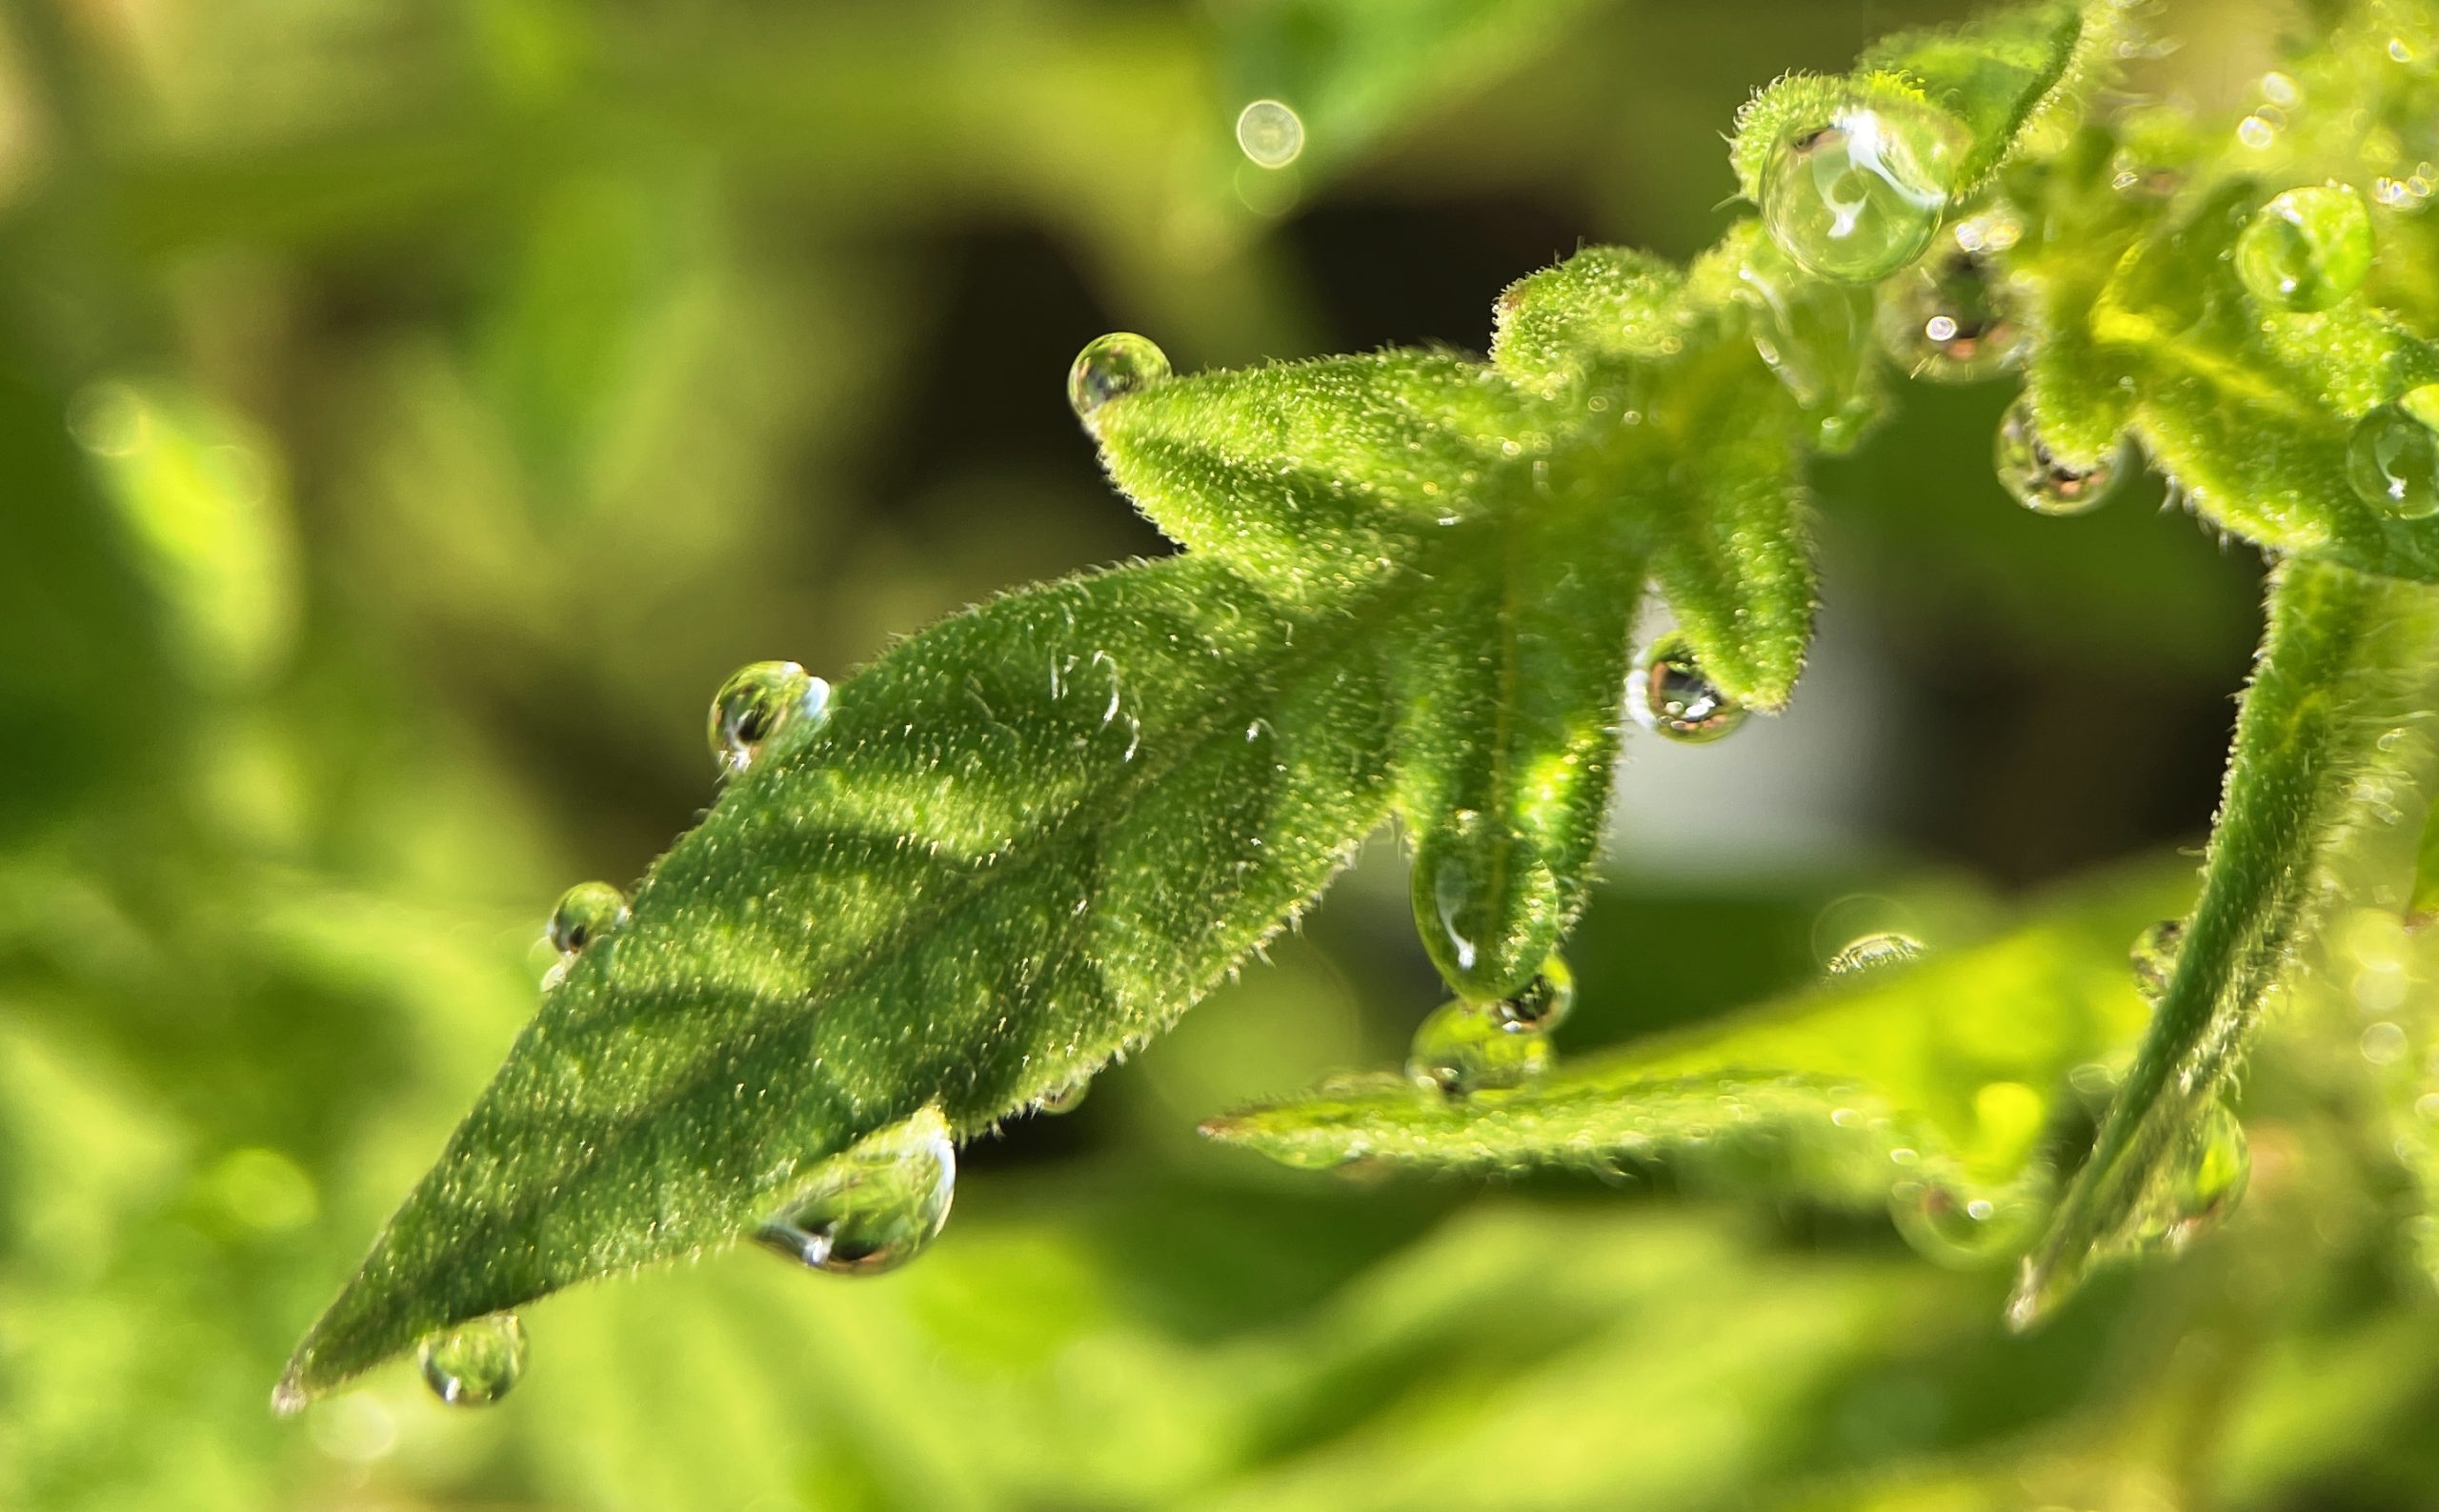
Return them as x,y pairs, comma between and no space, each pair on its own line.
1672,695
757,701
584,913
477,1362
1861,195
2038,480
1112,367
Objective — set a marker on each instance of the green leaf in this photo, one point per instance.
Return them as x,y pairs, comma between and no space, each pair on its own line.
1945,1070
2348,660
1020,843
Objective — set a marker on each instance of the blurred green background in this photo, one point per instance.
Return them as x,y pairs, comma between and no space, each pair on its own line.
410,412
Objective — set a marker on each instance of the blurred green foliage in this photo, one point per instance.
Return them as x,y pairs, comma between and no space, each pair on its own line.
410,413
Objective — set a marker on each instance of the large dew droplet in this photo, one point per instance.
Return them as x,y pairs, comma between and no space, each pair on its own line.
1671,694
875,1207
1958,1226
1270,133
1112,367
1465,1046
585,913
2212,1167
2306,249
755,704
1886,948
1486,904
2038,480
1950,320
1861,196
2153,957
475,1363
2392,458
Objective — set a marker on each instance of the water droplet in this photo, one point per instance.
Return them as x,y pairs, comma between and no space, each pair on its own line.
1950,320
2039,480
1860,197
1815,335
1270,133
1886,948
1952,1224
2154,956
2257,131
1670,694
1542,1004
1486,904
2392,458
585,913
2207,1183
1112,367
755,704
2383,1044
1065,1099
475,1363
2307,249
875,1206
1467,1047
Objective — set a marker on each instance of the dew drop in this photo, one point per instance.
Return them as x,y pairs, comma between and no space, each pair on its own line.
1111,367
1465,1047
1955,1225
756,703
2392,458
1486,903
1270,133
2039,480
2306,249
1886,948
1950,320
475,1363
585,913
1670,694
875,1206
1860,197
2153,957
1065,1099
2207,1182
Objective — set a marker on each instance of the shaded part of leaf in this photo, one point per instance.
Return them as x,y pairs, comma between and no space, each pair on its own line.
2348,657
1959,1059
2249,413
1023,841
1508,692
2000,72
1310,478
1731,544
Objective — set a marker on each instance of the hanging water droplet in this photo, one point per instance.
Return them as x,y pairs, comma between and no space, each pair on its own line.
1953,1224
1950,320
2208,1181
1816,337
2154,956
2039,480
2306,249
1065,1099
875,1206
756,703
475,1363
1111,367
2392,458
1542,1003
1886,948
1860,197
1270,133
1467,1047
585,913
1670,694
1486,904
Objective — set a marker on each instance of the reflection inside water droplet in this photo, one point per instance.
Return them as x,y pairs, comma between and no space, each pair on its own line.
1672,695
2306,249
2154,956
756,702
2039,480
1112,367
585,913
1950,320
875,1207
475,1363
1952,1223
1065,1098
1886,948
2393,456
1860,197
